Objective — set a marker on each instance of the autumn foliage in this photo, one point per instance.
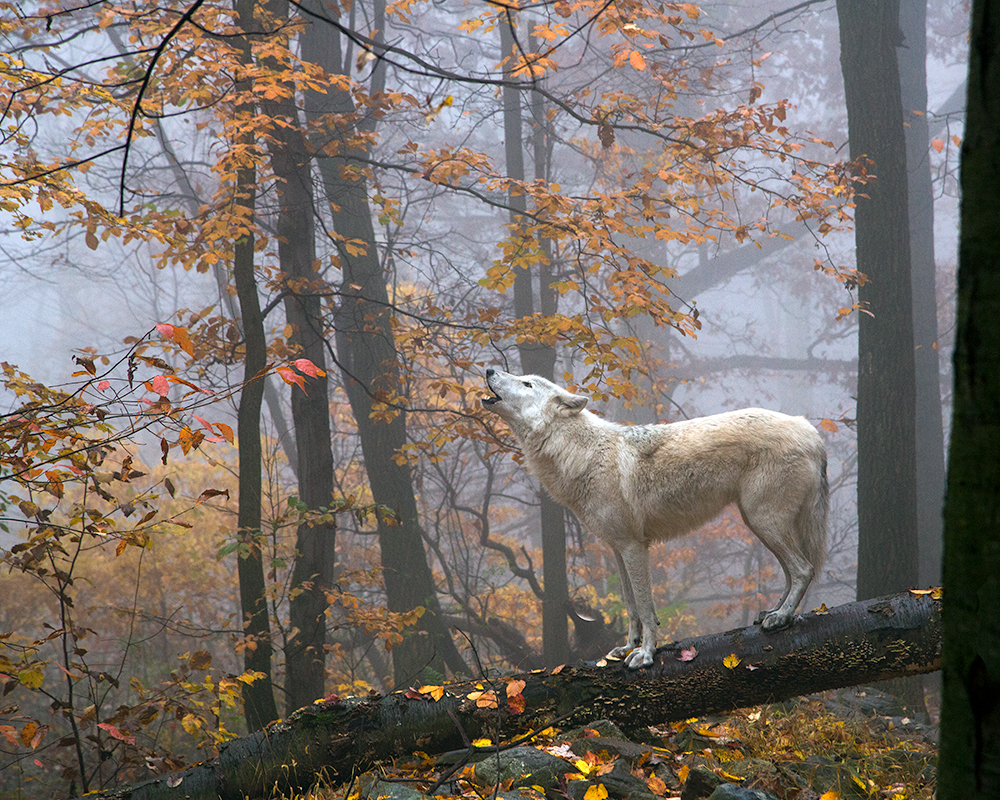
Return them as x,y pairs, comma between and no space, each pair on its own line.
120,628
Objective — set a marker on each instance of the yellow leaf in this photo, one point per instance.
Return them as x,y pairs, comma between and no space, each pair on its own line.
482,742
731,661
830,795
682,774
191,724
596,792
437,692
32,678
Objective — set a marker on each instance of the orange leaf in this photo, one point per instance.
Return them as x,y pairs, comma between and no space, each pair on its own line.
28,732
182,339
938,145
636,60
829,425
226,431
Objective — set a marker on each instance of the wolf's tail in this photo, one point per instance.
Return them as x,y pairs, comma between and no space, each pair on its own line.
814,522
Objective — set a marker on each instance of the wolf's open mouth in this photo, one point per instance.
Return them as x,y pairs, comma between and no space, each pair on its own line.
488,401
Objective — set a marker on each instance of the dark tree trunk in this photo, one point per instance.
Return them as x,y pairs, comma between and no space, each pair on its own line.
856,643
887,544
315,553
929,422
537,358
369,363
969,763
258,697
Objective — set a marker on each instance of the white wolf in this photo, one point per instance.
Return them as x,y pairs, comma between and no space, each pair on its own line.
633,485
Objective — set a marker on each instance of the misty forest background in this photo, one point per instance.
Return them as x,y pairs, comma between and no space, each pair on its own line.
256,259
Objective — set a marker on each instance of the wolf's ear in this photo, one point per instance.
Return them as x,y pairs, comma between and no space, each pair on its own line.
571,403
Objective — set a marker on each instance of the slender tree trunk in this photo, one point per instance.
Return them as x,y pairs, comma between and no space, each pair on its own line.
258,697
929,422
969,763
369,363
315,553
537,358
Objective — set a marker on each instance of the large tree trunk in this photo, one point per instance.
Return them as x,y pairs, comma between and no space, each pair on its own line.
851,644
315,551
887,546
929,422
369,363
969,764
537,358
887,469
258,697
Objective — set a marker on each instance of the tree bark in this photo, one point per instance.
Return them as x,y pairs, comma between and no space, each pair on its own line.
969,763
258,697
929,422
537,358
887,502
369,363
856,643
315,542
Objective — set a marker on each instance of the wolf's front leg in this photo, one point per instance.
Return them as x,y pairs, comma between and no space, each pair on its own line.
635,561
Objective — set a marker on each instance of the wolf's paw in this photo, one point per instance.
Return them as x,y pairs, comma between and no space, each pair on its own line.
639,657
773,621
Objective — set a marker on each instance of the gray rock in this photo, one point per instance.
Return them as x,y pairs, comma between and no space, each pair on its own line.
732,791
528,766
700,783
384,790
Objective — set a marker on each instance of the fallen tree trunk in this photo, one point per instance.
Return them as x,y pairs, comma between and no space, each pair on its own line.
852,644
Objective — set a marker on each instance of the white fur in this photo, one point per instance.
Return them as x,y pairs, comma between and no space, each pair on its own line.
633,485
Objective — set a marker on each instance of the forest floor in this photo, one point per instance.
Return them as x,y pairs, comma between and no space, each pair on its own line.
832,746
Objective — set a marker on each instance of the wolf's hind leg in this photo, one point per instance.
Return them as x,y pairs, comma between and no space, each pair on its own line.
779,534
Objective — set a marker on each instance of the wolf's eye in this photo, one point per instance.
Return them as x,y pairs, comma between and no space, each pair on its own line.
527,384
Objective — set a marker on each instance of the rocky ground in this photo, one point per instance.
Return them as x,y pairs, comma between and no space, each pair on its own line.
852,745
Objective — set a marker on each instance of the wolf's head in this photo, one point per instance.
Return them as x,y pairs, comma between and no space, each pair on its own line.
528,402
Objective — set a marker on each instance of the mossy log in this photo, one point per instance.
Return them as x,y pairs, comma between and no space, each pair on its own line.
848,645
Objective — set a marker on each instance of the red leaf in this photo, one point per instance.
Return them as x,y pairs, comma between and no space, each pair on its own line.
112,731
688,654
160,385
166,331
291,377
307,367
